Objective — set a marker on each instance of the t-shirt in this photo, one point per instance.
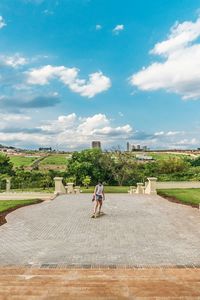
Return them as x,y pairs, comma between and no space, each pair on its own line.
99,189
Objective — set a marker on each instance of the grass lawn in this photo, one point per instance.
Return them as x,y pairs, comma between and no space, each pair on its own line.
108,189
186,196
19,161
55,160
36,190
11,204
164,156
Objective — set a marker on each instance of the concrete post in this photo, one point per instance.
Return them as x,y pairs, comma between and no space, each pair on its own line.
8,184
151,186
59,187
140,188
70,188
77,190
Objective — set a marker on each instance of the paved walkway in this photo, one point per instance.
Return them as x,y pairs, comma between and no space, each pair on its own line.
136,231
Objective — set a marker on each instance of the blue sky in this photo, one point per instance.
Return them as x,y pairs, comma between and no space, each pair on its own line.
73,71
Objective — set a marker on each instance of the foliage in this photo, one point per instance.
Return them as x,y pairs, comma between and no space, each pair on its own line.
6,167
86,181
114,168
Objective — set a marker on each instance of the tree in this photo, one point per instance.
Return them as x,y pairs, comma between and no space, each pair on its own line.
87,163
6,167
86,181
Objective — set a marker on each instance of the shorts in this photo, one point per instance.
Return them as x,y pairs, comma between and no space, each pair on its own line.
99,197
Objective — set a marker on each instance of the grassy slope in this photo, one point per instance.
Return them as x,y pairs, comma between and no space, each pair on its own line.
55,160
161,156
187,196
7,204
19,161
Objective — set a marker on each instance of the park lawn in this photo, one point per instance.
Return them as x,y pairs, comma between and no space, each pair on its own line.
55,160
107,189
11,204
34,189
22,161
186,196
164,156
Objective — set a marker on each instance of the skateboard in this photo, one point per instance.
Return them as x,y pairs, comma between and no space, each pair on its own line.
98,215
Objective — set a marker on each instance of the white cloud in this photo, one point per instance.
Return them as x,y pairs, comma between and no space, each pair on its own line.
98,27
14,117
2,22
121,130
118,28
180,71
66,132
96,84
61,124
13,61
88,125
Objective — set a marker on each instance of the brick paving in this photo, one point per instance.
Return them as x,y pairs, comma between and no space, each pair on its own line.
136,231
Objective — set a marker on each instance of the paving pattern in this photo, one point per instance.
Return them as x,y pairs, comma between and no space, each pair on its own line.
136,231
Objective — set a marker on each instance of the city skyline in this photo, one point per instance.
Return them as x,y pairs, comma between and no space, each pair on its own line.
83,70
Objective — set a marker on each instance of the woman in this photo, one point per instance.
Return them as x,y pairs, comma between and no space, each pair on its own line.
98,196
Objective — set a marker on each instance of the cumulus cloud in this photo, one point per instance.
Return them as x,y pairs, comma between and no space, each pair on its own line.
67,132
96,83
13,61
180,71
118,28
168,139
14,117
2,22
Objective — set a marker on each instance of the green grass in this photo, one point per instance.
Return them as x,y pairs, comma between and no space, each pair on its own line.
24,161
55,160
187,196
163,156
34,189
8,204
108,189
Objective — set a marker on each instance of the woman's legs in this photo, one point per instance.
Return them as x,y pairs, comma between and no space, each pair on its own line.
100,205
96,206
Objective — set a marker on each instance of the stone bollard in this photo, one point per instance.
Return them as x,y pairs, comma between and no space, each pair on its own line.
8,184
77,189
151,186
140,188
59,187
70,188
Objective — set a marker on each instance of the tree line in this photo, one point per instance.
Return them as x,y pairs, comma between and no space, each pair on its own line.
112,168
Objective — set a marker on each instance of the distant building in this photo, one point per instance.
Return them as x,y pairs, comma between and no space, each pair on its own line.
144,157
128,147
47,149
96,144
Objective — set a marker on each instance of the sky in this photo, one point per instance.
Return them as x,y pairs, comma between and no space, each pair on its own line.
74,71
